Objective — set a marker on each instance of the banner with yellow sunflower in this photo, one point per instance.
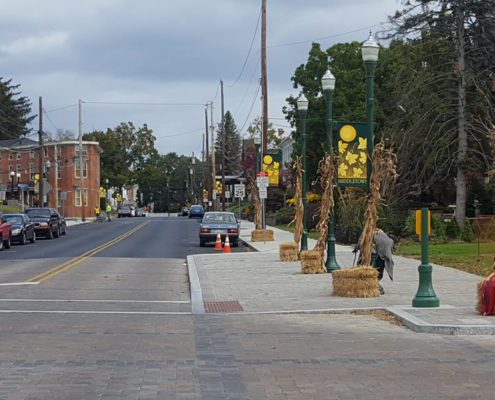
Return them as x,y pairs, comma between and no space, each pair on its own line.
271,164
353,160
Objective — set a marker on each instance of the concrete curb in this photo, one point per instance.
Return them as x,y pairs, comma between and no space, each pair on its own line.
197,305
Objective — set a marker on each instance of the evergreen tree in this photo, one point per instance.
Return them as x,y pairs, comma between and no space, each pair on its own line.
232,146
14,112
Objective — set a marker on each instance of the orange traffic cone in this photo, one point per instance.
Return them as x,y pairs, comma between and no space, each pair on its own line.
226,248
218,244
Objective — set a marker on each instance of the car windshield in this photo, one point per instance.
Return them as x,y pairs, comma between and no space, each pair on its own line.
38,213
197,208
13,219
219,217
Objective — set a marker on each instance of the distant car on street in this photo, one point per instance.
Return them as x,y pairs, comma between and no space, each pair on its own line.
126,211
22,228
184,211
196,211
48,222
222,222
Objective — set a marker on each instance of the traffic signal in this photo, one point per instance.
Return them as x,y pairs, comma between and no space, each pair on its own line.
219,187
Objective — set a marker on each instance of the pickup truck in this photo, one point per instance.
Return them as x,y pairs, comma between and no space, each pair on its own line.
5,232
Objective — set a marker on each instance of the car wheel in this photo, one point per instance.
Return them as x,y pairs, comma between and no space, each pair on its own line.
33,238
235,243
57,232
7,243
1,244
202,243
23,238
64,232
50,234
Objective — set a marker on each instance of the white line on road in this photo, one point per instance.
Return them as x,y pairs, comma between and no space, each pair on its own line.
94,312
18,283
102,301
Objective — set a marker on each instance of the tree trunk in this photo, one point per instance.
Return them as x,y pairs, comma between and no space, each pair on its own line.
460,201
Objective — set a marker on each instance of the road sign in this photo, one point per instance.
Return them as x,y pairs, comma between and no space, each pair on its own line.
22,185
227,194
262,181
2,195
261,173
240,191
214,195
263,192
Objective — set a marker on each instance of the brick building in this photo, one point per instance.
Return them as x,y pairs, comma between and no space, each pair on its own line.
62,174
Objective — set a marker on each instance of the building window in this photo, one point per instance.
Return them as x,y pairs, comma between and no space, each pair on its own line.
18,155
45,151
11,155
59,169
84,150
31,154
31,172
78,197
59,200
78,170
19,168
58,149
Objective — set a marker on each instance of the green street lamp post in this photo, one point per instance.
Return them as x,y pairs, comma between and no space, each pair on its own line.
302,106
370,50
328,85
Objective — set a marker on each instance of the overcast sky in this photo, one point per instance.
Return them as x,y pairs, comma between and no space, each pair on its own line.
167,52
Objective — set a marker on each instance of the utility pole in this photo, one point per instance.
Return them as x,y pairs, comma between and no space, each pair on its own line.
81,168
40,135
208,176
264,86
223,151
213,180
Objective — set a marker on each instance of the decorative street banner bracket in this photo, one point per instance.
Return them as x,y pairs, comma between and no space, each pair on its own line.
354,165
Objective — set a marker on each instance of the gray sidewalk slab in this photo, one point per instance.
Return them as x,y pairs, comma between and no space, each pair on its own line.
261,283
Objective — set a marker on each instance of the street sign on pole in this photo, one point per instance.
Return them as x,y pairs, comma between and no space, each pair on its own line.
227,194
240,191
263,192
262,181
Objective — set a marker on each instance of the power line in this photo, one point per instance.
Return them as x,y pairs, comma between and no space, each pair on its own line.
145,104
182,133
249,52
62,108
325,37
251,109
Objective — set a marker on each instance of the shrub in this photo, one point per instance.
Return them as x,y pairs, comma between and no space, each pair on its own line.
467,233
452,230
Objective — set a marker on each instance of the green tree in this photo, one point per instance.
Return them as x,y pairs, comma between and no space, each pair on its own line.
127,153
450,95
232,146
14,111
255,129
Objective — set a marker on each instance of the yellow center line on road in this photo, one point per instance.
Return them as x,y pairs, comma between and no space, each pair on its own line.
77,260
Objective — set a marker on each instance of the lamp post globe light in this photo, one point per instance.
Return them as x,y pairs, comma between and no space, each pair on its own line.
12,175
257,144
328,85
302,106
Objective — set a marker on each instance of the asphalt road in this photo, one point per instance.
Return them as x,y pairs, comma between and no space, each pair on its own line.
104,313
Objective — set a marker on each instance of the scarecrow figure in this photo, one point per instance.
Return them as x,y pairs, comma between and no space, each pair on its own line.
383,249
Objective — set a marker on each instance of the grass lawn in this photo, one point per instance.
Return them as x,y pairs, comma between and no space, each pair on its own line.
459,255
9,210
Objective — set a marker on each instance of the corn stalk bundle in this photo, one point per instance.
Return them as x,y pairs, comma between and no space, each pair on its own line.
383,175
298,206
257,207
326,169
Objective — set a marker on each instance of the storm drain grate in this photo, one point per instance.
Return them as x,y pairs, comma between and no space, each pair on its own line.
222,306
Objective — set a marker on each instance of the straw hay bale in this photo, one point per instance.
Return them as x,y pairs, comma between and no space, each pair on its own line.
262,235
361,281
312,262
289,251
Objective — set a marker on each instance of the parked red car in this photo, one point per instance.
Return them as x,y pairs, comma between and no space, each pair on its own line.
6,233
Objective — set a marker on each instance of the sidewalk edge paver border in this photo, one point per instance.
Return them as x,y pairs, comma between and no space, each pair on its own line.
197,305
